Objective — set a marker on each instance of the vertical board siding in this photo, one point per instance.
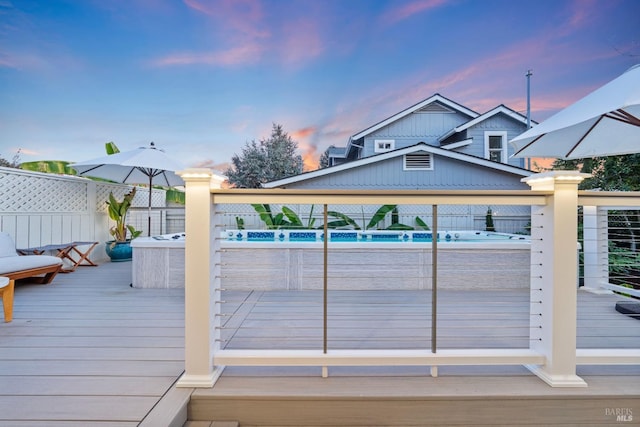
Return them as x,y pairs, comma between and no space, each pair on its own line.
389,174
499,122
429,127
414,128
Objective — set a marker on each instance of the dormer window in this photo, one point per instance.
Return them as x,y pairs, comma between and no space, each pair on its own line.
384,145
495,146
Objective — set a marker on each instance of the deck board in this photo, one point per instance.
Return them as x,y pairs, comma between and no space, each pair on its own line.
89,350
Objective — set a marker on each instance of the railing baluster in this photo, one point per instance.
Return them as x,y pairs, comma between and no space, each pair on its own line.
325,280
434,277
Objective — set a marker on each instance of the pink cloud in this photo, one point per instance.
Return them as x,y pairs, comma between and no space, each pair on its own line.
28,152
245,54
302,41
583,12
244,16
245,36
307,148
303,133
54,61
18,62
212,164
239,24
405,11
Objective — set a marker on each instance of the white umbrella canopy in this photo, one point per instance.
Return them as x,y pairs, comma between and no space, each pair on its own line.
139,166
604,123
143,165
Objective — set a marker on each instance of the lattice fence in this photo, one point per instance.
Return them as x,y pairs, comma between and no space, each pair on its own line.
20,192
141,199
37,209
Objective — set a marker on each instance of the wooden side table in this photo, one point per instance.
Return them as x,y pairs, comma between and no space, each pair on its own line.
6,292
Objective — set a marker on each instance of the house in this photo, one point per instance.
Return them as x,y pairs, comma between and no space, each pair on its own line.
443,123
435,144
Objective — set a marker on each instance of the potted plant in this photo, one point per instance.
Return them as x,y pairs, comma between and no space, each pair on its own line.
119,249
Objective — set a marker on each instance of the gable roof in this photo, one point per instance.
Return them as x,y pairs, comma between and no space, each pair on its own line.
396,153
482,117
437,98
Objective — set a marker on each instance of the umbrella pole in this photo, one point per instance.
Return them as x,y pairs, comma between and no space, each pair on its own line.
149,213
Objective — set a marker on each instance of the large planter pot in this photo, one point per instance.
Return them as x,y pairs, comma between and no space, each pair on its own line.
120,251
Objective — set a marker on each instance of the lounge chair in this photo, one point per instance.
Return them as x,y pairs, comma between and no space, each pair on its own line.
14,266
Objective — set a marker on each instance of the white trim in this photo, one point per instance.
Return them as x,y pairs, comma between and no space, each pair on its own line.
556,380
479,119
388,145
200,381
458,144
404,113
487,150
607,356
382,357
400,152
621,289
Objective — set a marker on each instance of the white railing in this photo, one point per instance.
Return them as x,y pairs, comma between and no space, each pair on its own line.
551,355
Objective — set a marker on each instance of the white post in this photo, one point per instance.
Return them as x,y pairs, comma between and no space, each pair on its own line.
596,250
200,305
554,233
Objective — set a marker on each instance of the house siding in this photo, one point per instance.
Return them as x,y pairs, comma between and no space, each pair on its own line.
389,174
415,128
497,123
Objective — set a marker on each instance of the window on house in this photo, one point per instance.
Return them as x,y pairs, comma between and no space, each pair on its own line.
496,146
383,145
418,161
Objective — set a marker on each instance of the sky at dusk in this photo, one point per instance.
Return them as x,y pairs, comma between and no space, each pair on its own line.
201,78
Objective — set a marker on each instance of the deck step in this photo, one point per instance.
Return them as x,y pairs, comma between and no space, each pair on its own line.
401,401
211,424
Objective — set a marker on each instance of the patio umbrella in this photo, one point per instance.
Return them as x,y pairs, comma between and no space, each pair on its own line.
604,123
144,165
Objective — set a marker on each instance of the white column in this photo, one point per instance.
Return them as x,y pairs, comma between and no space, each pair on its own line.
596,250
200,304
554,234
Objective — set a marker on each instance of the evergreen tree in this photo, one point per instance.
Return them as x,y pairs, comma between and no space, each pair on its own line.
612,173
268,160
324,158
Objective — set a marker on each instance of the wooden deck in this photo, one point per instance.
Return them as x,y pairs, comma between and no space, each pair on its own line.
409,396
89,350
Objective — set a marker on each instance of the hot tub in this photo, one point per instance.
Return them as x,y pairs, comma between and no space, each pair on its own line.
373,259
286,259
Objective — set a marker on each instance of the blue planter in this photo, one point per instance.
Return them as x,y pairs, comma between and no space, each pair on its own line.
119,252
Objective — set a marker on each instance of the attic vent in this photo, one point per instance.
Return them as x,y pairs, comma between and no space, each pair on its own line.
434,107
418,161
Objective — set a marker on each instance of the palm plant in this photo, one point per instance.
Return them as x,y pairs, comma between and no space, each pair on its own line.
282,220
118,213
343,220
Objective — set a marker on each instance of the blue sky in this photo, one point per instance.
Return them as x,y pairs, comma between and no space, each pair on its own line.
200,78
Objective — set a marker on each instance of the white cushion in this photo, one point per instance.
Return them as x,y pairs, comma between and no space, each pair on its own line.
7,246
4,281
26,262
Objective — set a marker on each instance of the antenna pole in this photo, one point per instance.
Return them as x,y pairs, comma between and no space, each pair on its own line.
529,74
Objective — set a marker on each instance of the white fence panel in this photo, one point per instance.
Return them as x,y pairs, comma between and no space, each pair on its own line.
38,209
